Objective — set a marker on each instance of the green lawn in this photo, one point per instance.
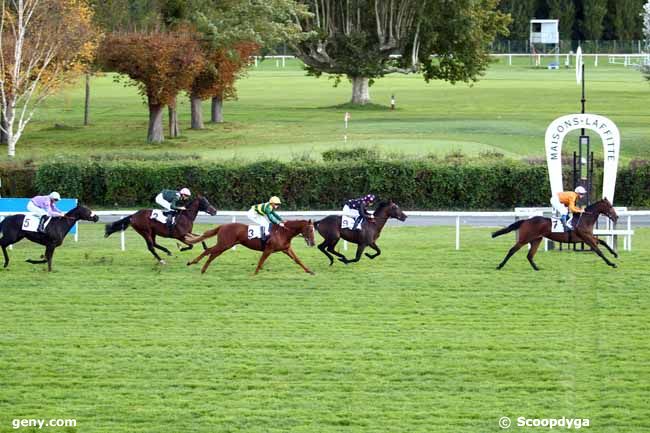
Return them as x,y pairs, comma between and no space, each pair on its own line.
284,114
422,339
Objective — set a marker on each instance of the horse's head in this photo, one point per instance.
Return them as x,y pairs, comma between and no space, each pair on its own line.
205,206
603,207
390,209
82,213
608,209
308,233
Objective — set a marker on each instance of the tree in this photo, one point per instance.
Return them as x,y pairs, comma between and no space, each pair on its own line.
161,65
646,34
43,46
565,11
521,12
231,32
594,12
360,38
627,19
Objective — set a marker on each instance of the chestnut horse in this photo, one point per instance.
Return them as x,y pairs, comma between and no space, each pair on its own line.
148,228
533,230
236,233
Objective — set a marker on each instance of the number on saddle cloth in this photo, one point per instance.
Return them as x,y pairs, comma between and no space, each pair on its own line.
31,223
254,232
348,222
162,216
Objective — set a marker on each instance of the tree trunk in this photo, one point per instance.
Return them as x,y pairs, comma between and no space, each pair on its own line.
87,102
174,128
3,133
217,109
155,134
360,90
197,112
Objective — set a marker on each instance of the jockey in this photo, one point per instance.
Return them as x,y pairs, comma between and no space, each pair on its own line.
168,198
356,208
561,200
264,214
44,205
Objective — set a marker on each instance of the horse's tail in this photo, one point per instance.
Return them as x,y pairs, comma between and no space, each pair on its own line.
510,228
117,226
191,239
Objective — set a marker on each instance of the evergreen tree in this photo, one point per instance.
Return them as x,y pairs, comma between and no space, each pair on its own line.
521,12
592,23
565,11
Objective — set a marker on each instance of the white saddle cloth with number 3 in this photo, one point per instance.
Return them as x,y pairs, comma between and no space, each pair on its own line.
159,216
254,232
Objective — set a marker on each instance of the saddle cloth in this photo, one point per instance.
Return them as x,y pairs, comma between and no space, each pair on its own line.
254,232
31,222
159,216
556,224
348,222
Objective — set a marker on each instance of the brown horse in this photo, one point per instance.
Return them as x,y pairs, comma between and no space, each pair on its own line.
148,228
236,233
330,229
533,230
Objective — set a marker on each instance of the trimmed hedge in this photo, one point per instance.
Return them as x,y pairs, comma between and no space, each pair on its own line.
414,184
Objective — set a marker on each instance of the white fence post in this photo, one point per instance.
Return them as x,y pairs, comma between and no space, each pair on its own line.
122,241
457,233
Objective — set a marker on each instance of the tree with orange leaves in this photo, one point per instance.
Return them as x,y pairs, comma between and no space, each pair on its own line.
44,44
230,33
161,65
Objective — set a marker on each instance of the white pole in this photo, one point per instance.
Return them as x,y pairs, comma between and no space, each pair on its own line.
510,59
457,233
629,236
255,61
122,241
345,245
76,232
596,60
283,61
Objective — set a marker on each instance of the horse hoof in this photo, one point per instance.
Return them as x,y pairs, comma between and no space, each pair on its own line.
188,264
613,265
162,262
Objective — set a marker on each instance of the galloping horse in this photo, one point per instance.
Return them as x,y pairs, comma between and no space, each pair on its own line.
533,230
236,233
330,229
149,228
57,229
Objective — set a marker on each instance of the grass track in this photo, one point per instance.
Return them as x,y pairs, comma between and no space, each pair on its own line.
423,339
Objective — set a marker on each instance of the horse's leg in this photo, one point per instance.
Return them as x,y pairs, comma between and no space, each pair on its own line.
49,252
360,249
603,243
4,252
374,247
291,253
160,247
331,249
323,248
513,250
534,245
216,252
265,255
150,247
591,241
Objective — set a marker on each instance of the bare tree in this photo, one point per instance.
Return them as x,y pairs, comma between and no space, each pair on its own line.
43,45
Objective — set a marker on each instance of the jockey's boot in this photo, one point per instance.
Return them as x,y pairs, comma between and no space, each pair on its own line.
170,222
357,221
565,224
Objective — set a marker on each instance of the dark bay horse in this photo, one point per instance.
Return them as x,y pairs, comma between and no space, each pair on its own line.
236,233
148,228
533,230
330,229
55,232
